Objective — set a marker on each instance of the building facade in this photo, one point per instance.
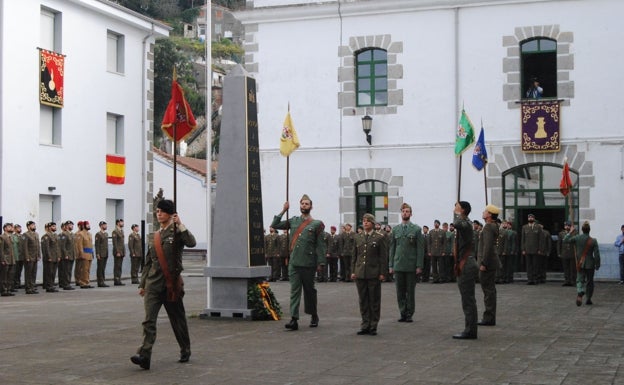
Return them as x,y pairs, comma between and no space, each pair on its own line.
90,158
411,65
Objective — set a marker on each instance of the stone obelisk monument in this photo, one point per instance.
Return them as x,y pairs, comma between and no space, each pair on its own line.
238,235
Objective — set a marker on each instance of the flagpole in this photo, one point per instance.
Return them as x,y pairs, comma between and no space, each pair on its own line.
175,175
459,178
485,182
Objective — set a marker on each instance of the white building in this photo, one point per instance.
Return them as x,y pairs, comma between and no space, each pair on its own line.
430,57
53,160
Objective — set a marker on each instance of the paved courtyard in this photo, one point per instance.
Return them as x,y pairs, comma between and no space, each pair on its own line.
541,337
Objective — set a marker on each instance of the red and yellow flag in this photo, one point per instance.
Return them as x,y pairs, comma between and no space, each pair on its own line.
289,141
565,186
178,114
115,169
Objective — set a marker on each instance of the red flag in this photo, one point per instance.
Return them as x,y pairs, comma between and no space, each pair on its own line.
115,169
565,186
178,113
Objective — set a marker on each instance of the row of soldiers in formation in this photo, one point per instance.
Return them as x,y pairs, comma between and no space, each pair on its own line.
62,253
532,248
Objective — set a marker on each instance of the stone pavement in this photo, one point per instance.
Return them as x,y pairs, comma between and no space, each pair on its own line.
542,337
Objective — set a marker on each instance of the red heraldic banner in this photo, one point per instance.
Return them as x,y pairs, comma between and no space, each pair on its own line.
178,114
115,169
540,126
51,75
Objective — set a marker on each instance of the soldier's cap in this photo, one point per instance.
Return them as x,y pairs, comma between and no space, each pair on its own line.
305,197
349,224
568,223
29,223
51,224
134,225
369,217
85,223
7,225
101,223
531,216
166,206
492,209
17,225
585,228
118,220
436,221
68,222
332,228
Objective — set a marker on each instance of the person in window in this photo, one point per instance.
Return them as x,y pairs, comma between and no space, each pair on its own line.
534,91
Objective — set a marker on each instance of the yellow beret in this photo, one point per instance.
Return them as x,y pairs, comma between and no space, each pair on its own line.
492,209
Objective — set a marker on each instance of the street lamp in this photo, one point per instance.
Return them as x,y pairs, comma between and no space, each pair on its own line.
367,125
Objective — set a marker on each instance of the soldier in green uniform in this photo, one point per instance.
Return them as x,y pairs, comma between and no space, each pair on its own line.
587,262
307,256
66,241
32,255
7,261
436,249
369,267
567,253
271,253
284,253
488,264
161,283
136,252
450,262
51,254
119,251
466,269
406,261
532,248
512,253
333,250
16,242
101,253
426,271
347,243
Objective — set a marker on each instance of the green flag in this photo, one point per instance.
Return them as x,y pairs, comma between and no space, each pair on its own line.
464,136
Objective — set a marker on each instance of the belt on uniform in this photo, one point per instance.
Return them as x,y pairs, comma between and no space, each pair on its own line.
87,250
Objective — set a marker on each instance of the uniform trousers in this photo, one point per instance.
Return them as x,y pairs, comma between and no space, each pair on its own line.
275,268
487,280
437,267
17,274
405,282
569,270
65,272
49,274
117,263
83,278
532,261
621,260
284,267
332,264
345,268
302,278
466,284
585,283
369,293
135,264
426,272
153,301
30,274
509,268
6,281
78,271
101,269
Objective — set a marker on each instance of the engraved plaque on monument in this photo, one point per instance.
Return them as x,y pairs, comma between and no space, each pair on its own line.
238,236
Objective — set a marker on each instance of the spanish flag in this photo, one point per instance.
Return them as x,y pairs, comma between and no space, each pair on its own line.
178,114
289,141
115,169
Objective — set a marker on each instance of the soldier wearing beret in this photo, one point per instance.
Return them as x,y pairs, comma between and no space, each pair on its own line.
162,285
66,241
271,253
307,255
7,261
466,269
532,248
406,261
101,253
488,264
369,267
333,250
84,255
347,242
437,249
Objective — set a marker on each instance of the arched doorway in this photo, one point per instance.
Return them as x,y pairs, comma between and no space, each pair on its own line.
371,197
533,188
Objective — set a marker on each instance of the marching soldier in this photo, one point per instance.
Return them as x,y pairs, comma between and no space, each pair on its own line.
136,253
587,262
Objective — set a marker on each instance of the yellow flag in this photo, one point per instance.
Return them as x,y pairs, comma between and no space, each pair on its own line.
289,141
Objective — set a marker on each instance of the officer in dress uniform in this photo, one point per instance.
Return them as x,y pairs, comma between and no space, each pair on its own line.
271,253
466,269
84,256
333,250
7,261
66,241
488,264
567,253
51,254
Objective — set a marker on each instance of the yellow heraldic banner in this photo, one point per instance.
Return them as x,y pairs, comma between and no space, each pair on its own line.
289,141
115,169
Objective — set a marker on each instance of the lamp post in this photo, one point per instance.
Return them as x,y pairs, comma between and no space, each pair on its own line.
367,125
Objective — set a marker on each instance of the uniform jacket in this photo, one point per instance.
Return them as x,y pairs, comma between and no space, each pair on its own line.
565,250
271,245
333,245
501,242
463,237
84,245
310,250
487,246
546,242
407,247
370,256
118,243
101,244
66,240
512,242
152,277
347,243
450,241
532,238
134,245
437,242
6,252
17,244
50,247
32,246
592,258
282,241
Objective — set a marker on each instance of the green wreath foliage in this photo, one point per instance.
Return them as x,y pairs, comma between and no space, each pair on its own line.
254,301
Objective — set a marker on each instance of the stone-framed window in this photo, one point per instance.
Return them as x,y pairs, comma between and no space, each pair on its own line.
538,63
514,87
371,73
347,75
